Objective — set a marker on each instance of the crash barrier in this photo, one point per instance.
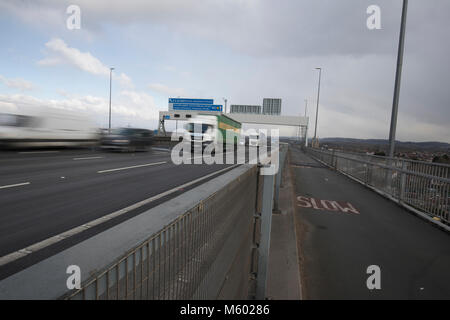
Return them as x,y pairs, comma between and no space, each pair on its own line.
422,187
216,249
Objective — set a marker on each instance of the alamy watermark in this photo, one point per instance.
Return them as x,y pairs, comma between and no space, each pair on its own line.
204,146
374,20
74,20
374,280
74,280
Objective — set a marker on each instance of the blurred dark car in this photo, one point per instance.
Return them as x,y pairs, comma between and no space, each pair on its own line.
128,139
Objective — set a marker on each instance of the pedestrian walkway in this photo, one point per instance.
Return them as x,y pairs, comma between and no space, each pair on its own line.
283,282
344,228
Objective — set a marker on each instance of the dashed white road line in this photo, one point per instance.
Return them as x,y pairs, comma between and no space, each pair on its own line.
15,185
87,158
161,149
132,167
36,152
47,242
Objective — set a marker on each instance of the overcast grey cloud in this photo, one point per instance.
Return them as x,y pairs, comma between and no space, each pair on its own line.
270,49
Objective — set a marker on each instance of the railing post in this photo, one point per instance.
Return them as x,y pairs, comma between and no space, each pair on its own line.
283,152
333,159
264,244
402,182
276,193
279,178
277,189
388,178
366,174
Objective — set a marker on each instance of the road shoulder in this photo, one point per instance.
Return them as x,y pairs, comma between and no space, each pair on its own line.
283,281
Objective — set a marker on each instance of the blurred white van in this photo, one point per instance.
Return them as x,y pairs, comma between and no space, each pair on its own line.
46,127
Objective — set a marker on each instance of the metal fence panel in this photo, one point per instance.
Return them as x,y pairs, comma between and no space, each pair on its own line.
423,186
203,254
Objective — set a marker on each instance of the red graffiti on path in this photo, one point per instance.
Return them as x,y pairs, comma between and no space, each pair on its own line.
327,205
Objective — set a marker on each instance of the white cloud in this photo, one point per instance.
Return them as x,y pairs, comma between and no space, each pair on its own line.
7,107
18,83
130,108
124,80
161,88
64,54
40,15
60,53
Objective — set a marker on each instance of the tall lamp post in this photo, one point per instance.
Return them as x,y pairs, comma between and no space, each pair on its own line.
307,124
306,106
398,78
317,108
225,100
110,85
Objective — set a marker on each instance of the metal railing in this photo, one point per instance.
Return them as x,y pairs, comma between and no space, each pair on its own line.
215,250
422,186
430,168
191,257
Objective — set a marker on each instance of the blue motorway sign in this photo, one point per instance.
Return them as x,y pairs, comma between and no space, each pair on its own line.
191,101
197,107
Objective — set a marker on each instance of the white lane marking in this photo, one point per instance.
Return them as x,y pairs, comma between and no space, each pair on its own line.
161,149
132,167
35,152
45,243
15,185
87,158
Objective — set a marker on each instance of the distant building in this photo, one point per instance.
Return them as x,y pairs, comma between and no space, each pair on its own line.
241,108
271,106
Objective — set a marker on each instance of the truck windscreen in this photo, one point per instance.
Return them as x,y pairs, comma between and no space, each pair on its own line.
196,127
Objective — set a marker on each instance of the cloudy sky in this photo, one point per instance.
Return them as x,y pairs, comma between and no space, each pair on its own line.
243,50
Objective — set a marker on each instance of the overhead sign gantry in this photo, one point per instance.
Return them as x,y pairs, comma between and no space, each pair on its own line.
186,108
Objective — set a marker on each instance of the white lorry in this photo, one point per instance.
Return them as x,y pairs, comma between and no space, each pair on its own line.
46,127
213,129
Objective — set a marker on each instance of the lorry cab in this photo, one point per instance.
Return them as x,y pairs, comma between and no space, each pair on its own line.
203,130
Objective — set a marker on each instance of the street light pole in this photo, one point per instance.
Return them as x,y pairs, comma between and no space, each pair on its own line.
306,130
398,78
225,104
110,85
317,108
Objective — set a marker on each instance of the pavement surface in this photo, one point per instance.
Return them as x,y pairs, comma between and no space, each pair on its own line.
283,278
44,193
344,228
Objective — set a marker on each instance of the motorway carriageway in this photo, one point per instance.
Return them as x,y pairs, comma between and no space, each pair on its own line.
44,193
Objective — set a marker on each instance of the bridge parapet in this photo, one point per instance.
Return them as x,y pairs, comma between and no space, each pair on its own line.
421,187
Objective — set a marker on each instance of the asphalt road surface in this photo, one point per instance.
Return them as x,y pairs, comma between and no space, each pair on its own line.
44,193
344,227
